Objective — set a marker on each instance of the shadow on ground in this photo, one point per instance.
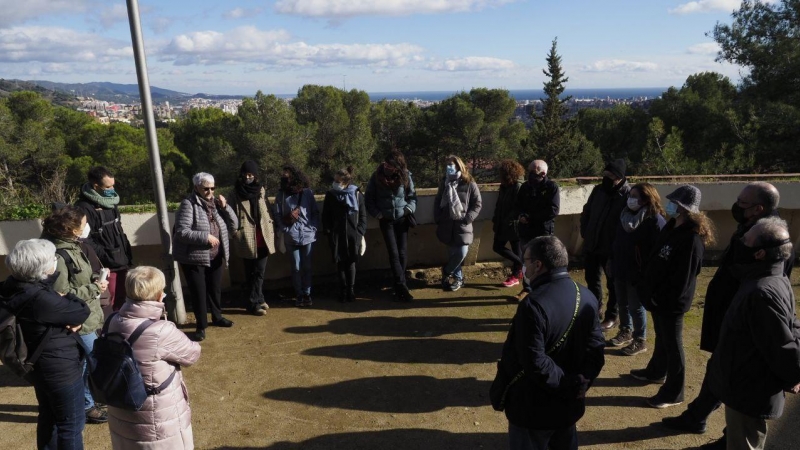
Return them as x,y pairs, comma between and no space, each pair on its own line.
414,351
405,326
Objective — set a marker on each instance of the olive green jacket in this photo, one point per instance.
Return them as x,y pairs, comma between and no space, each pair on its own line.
244,238
80,283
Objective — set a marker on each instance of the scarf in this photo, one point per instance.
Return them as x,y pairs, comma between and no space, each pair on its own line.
250,192
450,198
94,197
348,196
211,208
631,220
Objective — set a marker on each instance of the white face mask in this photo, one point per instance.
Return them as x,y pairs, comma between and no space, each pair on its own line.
633,204
55,267
86,230
249,180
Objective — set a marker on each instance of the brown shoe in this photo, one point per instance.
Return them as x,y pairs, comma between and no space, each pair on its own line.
609,324
520,297
96,415
623,338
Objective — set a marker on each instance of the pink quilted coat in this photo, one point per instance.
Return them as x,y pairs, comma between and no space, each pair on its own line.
165,420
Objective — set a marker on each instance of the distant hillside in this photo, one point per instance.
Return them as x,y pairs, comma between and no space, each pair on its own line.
56,97
110,92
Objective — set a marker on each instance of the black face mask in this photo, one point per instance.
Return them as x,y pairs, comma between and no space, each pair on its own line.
534,178
608,183
742,254
738,213
284,182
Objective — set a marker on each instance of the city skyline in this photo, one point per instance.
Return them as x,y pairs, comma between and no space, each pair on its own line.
379,46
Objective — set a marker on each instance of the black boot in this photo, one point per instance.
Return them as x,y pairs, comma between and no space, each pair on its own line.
351,295
402,292
342,295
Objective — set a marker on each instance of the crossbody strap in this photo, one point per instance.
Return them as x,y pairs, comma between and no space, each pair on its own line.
132,339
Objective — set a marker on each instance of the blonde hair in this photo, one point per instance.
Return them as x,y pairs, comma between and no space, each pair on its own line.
144,283
460,167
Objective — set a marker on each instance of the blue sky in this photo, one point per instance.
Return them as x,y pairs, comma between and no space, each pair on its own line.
241,46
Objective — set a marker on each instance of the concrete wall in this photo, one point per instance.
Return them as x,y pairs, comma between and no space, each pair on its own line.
423,248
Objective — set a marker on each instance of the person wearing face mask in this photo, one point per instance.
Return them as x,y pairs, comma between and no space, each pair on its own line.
64,228
254,240
203,223
667,291
99,200
757,356
537,206
555,347
344,221
598,225
52,321
456,205
755,201
512,176
637,231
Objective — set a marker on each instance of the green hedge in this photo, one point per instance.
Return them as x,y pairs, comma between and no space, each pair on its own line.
34,211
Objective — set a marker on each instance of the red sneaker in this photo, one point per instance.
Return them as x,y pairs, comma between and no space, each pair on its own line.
511,281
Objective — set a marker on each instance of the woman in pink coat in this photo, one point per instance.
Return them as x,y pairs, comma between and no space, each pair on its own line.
165,420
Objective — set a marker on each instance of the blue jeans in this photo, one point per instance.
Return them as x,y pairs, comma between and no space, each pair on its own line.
630,309
61,415
88,401
301,269
456,255
525,439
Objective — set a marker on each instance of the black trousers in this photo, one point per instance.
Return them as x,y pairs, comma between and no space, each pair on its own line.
395,234
595,266
347,274
513,254
254,277
668,357
705,403
205,286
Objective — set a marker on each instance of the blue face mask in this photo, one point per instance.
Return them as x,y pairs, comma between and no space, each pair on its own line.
108,192
450,169
671,209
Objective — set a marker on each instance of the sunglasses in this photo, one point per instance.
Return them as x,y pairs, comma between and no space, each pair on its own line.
208,188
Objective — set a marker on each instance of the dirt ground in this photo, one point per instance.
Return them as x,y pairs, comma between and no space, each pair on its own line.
377,374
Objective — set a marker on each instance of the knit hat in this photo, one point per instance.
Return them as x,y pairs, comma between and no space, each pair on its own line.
249,167
686,196
617,167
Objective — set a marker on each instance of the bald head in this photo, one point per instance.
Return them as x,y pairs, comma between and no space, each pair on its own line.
767,195
538,166
757,200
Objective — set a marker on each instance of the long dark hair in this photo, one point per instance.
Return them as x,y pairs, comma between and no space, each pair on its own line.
396,159
297,179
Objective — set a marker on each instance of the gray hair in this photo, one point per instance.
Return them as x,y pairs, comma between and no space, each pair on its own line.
767,195
549,250
31,260
202,178
769,232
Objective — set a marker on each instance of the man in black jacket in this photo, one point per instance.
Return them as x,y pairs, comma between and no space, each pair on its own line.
599,221
538,204
757,356
555,338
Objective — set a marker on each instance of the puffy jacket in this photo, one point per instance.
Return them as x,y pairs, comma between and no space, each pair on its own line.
540,203
165,420
344,230
190,234
758,354
600,217
78,281
244,237
304,231
391,204
505,213
456,232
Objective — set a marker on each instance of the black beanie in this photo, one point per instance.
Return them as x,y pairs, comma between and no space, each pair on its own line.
617,167
250,167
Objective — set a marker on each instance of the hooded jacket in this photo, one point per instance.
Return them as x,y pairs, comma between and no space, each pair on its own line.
78,281
600,217
107,238
455,232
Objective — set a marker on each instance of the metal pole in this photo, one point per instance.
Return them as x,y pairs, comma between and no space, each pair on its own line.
174,301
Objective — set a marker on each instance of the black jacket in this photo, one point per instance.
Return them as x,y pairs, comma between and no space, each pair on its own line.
37,307
505,213
758,354
107,238
670,275
545,398
344,230
631,249
600,217
540,203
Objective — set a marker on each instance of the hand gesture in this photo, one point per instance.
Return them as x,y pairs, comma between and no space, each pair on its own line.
74,328
221,201
795,389
103,285
213,241
295,214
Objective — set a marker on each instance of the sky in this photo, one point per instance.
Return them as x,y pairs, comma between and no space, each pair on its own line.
242,46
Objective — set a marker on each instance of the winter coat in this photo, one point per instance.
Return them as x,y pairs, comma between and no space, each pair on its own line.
545,398
107,237
540,203
79,282
304,231
456,232
244,238
600,217
391,204
190,234
758,354
631,249
670,275
505,213
165,420
344,230
37,307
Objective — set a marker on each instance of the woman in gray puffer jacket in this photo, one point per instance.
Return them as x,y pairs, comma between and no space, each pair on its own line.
200,244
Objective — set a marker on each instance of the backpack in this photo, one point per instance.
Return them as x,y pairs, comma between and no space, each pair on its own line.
13,350
107,235
114,376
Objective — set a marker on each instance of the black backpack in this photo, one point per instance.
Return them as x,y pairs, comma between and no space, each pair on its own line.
114,377
13,350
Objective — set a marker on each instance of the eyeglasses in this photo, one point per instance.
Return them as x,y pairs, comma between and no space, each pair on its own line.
209,188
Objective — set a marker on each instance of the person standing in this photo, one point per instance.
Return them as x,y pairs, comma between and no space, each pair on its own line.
511,175
598,225
203,223
254,240
296,208
538,205
457,204
99,200
555,343
667,291
344,221
392,199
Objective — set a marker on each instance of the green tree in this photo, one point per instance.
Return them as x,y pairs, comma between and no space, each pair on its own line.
663,153
618,132
207,136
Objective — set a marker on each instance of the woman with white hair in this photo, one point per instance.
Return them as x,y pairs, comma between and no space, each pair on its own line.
165,419
200,244
52,321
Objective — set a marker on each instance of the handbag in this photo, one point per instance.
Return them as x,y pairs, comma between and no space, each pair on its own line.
502,383
280,243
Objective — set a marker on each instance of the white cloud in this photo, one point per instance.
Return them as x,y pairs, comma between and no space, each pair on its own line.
111,16
620,65
472,64
352,8
706,48
14,12
240,13
702,6
275,48
58,45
